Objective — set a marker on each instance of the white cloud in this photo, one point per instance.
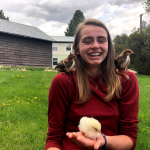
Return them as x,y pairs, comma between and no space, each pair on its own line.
125,19
53,28
53,16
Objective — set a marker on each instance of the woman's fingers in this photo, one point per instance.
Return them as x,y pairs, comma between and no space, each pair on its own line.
98,144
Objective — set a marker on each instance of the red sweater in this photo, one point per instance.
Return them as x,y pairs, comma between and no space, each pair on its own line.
116,117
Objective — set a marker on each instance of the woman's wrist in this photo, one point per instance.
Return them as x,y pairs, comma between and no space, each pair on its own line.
101,148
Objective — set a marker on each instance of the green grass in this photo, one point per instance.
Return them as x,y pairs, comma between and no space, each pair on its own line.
23,110
23,106
143,141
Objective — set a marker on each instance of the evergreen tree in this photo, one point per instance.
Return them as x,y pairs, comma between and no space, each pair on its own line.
77,18
2,15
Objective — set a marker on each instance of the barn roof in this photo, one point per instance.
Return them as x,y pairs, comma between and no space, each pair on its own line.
63,39
23,30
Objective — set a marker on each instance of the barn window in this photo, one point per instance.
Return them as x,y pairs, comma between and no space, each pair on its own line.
55,61
68,47
54,46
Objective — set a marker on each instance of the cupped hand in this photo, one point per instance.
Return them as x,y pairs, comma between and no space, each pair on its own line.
81,140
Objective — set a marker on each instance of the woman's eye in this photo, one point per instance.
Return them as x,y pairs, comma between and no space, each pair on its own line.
101,39
87,40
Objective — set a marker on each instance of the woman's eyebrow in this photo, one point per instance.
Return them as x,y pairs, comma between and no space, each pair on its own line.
102,37
97,37
88,37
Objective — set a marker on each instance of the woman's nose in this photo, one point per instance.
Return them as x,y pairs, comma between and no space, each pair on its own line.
95,44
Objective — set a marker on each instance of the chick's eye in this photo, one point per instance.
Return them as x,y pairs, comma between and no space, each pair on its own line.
95,129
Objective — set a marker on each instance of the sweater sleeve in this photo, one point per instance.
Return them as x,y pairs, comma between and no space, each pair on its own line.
129,106
58,103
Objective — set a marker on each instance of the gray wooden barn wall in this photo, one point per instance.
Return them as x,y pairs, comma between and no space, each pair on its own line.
22,51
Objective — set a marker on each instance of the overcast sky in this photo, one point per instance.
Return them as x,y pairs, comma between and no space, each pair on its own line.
53,16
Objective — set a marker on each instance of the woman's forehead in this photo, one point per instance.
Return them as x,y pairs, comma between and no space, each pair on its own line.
93,31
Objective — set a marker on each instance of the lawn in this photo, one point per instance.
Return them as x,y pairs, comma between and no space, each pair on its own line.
23,117
143,141
23,106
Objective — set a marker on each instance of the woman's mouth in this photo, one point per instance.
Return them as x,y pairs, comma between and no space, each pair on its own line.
95,54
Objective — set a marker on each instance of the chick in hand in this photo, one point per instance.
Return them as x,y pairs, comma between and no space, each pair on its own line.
90,127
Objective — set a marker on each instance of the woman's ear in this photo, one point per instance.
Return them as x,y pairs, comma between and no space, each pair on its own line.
73,46
77,52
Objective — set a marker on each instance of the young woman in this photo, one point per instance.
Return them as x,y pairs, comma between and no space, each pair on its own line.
93,89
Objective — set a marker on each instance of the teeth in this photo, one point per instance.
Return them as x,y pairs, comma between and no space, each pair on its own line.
95,54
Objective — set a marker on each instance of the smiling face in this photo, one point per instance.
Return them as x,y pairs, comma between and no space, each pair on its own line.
93,46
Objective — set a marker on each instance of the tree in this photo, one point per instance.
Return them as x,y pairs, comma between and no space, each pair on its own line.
119,43
147,6
77,18
2,16
139,43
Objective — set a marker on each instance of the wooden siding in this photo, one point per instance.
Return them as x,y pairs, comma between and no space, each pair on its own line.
23,51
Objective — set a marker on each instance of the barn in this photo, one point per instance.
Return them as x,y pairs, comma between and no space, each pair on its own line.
24,45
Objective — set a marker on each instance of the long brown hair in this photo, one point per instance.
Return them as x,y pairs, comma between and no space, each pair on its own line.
111,79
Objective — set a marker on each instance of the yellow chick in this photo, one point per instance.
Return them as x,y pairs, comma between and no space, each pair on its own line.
90,127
